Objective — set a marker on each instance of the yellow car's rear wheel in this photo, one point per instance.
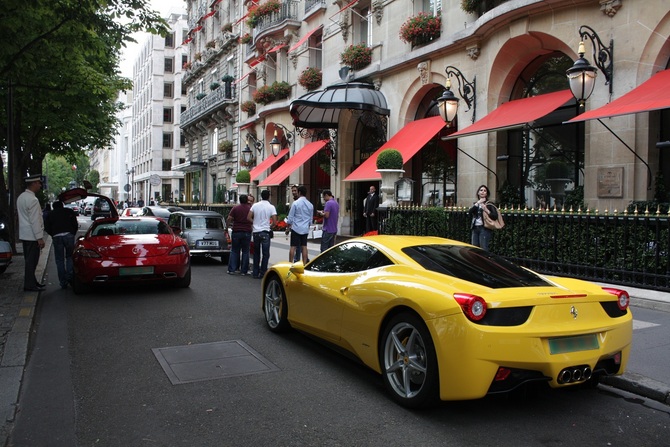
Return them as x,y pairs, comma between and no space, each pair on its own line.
409,364
274,304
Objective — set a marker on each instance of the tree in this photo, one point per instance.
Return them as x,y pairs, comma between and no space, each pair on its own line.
59,78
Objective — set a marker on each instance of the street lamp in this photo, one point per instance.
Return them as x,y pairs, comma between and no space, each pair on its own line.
447,104
247,153
582,75
276,144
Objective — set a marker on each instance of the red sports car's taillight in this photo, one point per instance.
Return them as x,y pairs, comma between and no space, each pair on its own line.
178,250
85,253
623,300
473,306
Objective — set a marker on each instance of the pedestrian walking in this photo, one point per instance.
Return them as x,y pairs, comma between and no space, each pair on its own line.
31,231
263,216
61,224
370,210
298,249
481,236
330,213
298,221
238,220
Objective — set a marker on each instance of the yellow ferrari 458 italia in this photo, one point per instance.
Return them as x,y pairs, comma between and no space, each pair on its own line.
440,319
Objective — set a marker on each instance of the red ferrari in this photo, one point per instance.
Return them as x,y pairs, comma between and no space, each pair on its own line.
127,251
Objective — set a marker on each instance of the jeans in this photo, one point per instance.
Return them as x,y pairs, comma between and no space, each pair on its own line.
63,248
327,240
241,241
481,236
261,247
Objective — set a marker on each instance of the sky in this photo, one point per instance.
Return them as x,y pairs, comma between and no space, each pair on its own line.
164,7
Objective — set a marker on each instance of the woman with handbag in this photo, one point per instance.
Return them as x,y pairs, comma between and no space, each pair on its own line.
481,236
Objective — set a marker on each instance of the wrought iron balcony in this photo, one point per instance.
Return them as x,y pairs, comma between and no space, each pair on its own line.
214,101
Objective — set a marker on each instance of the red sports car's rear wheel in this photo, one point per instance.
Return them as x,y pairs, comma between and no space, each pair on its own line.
274,304
408,361
186,280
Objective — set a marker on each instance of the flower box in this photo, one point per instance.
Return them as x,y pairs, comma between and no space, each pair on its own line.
357,56
248,107
421,29
257,12
310,78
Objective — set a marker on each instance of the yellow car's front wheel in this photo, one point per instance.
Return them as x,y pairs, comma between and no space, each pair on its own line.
274,304
409,364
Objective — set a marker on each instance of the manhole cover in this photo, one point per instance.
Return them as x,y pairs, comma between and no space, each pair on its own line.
208,361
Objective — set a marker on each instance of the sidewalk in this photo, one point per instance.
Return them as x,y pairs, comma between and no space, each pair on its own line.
17,309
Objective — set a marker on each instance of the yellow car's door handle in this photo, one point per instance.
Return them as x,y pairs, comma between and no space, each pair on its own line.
344,290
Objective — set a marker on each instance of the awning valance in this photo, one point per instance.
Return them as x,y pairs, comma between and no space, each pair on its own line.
408,140
266,164
321,109
190,166
517,113
303,39
293,163
653,94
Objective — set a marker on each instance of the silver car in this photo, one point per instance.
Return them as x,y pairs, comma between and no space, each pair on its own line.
205,232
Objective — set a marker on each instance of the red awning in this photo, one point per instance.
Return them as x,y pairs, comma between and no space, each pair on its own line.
408,140
242,78
652,94
304,38
293,163
276,48
265,164
347,6
517,113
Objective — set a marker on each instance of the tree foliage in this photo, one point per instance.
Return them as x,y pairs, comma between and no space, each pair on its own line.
60,79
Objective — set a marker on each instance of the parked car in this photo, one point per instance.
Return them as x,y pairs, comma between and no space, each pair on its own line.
130,251
74,207
441,319
160,211
131,211
101,208
204,231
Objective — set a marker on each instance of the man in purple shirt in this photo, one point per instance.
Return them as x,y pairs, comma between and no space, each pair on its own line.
330,213
241,236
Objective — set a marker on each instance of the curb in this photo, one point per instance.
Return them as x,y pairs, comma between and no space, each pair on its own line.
14,358
640,385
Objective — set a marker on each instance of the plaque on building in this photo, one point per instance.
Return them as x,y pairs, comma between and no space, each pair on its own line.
610,182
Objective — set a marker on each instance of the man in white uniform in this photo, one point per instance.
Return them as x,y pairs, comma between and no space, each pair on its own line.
31,231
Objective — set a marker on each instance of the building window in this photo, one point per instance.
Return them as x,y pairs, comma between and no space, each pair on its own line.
315,45
168,88
169,65
362,19
169,40
167,114
167,140
182,140
167,165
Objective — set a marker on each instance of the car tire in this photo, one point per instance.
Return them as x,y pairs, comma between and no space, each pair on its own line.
3,268
408,361
275,306
78,287
186,280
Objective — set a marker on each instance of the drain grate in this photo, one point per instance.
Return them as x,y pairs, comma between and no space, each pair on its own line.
209,361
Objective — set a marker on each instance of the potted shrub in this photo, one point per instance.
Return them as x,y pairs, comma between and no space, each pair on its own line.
246,38
199,96
310,78
214,85
389,166
421,29
248,107
226,147
211,44
227,28
187,65
197,56
356,56
243,179
227,78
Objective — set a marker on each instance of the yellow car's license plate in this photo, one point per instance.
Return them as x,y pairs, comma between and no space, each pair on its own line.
573,344
132,271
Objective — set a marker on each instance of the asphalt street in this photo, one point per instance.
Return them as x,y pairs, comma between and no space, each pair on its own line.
647,374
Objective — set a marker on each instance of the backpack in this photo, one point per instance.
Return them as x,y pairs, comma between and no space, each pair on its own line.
491,224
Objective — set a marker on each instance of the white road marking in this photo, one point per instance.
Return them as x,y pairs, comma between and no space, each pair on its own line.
637,324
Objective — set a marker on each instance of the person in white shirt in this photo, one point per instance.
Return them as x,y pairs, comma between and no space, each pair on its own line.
31,231
263,215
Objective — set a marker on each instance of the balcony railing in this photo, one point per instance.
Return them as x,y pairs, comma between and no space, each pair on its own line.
288,11
627,249
214,100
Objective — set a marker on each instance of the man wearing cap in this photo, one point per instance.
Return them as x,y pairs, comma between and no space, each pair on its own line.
31,230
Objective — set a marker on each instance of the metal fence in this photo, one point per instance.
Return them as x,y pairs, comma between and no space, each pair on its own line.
625,249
